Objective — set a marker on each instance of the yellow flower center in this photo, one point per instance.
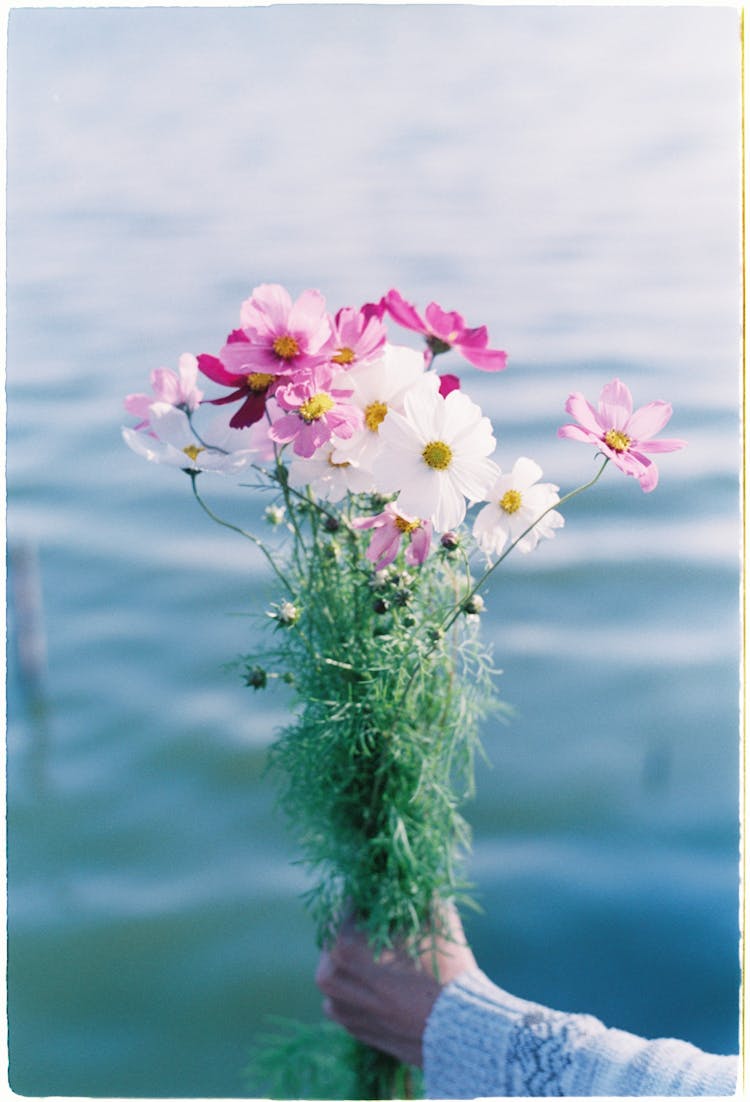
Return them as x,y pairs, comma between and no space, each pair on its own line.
406,526
510,501
259,380
344,356
316,406
286,347
192,451
617,441
375,414
437,455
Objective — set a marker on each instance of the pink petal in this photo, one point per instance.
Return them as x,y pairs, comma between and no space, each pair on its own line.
661,445
236,336
403,312
486,359
474,338
384,545
445,324
214,369
648,420
308,316
419,545
285,428
615,405
585,414
648,475
449,383
575,432
267,308
370,522
138,404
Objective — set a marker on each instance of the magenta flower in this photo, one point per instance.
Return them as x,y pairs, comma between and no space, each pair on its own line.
444,330
233,367
390,527
176,388
619,433
358,337
316,410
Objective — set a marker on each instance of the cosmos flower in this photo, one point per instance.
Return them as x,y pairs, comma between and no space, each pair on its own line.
621,434
177,388
377,388
277,340
328,475
389,530
316,409
172,441
515,501
435,454
444,330
358,337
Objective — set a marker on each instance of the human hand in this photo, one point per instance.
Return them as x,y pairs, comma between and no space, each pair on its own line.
385,1001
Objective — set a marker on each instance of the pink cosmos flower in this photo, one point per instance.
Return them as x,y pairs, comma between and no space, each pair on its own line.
316,411
177,388
285,336
390,527
444,330
277,339
358,337
621,434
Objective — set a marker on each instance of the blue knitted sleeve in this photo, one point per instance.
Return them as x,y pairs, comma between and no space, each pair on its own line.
482,1042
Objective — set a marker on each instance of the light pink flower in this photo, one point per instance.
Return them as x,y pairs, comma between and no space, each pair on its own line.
284,336
621,434
390,528
278,340
444,330
316,410
177,388
358,337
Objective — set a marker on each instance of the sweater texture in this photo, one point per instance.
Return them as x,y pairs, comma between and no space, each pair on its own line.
481,1042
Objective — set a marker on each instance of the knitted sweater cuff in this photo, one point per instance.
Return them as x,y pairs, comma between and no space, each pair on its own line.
481,1042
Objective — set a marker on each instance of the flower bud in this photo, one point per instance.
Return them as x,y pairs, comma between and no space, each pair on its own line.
473,605
450,541
274,514
380,605
256,678
331,523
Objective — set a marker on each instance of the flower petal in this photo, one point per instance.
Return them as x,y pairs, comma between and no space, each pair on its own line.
585,414
615,405
648,420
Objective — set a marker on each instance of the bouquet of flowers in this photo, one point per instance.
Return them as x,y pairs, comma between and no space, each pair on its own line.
387,513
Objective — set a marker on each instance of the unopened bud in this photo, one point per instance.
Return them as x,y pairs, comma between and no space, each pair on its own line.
473,605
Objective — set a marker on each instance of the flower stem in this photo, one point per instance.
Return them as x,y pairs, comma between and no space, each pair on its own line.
563,501
241,531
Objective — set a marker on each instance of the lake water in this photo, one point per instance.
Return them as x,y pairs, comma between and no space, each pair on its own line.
570,177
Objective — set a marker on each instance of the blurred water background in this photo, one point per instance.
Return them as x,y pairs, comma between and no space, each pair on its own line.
568,176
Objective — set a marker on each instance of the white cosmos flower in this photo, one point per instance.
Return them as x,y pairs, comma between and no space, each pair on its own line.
329,474
377,388
435,454
172,441
516,500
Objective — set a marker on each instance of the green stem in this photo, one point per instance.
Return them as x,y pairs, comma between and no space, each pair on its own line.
241,531
563,501
454,613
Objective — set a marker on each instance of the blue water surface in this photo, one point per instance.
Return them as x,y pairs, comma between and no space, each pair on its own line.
568,176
